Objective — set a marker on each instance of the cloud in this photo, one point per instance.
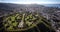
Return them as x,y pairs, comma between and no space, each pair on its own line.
36,2
31,1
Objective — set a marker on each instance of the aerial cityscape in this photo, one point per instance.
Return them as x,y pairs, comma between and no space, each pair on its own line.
29,16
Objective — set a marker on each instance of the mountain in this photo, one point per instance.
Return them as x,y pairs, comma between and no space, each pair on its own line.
52,5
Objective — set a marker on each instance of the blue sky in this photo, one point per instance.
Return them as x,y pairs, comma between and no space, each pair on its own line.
32,1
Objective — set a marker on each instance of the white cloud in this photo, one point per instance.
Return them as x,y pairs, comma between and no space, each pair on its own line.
37,2
30,2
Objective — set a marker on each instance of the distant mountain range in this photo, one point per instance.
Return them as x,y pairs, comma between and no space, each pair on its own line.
52,5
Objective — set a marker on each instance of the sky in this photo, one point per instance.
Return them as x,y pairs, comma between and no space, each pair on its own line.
31,1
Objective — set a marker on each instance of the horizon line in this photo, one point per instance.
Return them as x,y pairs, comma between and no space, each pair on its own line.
32,3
